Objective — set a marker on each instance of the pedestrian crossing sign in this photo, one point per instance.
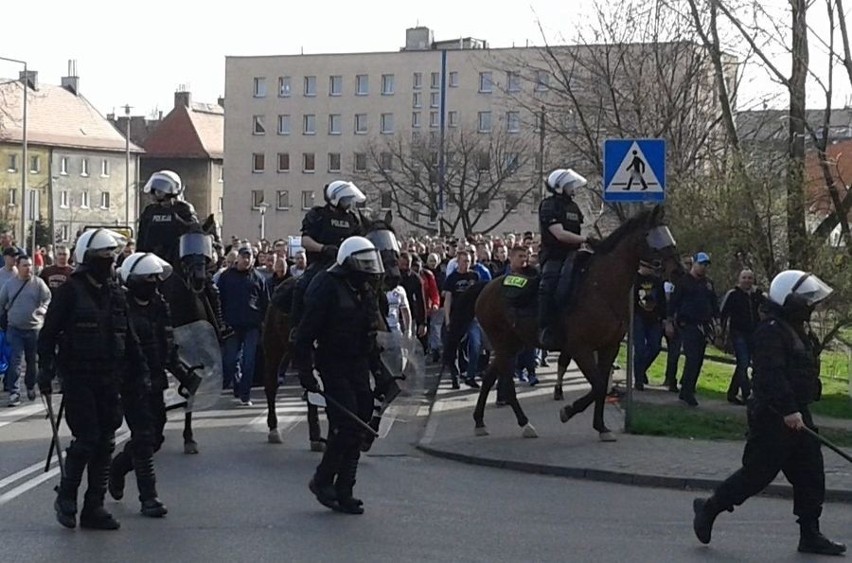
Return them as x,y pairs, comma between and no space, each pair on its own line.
634,170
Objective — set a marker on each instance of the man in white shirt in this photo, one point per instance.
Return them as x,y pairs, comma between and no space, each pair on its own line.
399,313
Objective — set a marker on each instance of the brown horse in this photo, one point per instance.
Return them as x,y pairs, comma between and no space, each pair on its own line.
592,329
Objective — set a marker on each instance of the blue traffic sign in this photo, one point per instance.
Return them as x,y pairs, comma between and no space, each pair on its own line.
634,170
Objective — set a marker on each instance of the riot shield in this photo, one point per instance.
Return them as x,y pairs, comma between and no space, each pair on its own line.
403,359
198,350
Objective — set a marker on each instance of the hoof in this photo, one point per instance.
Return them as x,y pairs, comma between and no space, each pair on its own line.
529,431
607,436
557,393
190,447
317,446
566,413
274,437
480,431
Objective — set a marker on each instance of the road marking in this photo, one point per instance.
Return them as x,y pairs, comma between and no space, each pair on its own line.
16,414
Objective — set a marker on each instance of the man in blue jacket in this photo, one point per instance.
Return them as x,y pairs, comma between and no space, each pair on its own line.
242,291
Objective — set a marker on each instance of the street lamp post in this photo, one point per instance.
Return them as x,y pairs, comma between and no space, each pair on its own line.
262,208
127,166
24,152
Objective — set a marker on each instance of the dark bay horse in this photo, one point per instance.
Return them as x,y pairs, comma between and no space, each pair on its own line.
592,329
276,331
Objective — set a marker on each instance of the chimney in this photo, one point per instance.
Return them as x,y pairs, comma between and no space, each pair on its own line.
72,81
30,78
221,101
182,97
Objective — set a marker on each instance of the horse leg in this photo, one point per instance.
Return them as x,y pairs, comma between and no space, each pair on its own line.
506,381
190,446
605,361
488,379
561,368
585,360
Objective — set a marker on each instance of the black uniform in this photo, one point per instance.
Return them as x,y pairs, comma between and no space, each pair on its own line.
342,318
556,258
142,399
326,225
161,226
88,325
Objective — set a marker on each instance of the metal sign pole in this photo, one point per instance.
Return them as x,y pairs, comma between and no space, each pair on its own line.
628,411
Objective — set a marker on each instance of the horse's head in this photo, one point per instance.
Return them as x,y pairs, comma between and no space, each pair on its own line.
659,245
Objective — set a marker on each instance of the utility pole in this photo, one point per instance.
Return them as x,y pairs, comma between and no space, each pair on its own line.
541,150
127,166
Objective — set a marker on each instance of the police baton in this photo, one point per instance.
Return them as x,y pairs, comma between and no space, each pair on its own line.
828,444
48,401
333,402
53,442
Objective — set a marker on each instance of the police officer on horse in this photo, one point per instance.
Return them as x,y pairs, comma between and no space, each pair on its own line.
167,218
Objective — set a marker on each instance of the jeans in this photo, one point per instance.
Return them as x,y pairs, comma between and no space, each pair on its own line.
474,347
525,360
647,342
24,345
739,380
436,323
244,340
694,345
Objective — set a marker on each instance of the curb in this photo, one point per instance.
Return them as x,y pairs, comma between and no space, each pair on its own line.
618,477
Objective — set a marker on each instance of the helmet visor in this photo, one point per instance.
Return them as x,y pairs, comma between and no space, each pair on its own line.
367,261
383,240
812,289
196,244
660,237
161,185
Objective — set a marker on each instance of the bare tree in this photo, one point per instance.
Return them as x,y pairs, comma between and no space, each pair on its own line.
478,170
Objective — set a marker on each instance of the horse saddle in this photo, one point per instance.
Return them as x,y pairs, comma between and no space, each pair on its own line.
282,297
582,261
520,291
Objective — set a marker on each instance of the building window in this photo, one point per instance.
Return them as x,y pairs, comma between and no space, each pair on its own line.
387,84
283,162
433,119
63,199
334,124
435,80
387,123
513,81
335,85
360,123
485,82
258,128
284,124
84,199
454,79
13,163
417,81
485,122
221,170
84,167
284,86
310,85
513,161
307,199
258,162
334,162
309,124
362,85
13,197
104,200
35,164
63,166
483,202
63,232
385,201
434,99
282,199
453,118
542,80
308,162
417,100
386,161
105,168
360,162
415,119
512,201
256,198
513,122
221,204
483,161
259,87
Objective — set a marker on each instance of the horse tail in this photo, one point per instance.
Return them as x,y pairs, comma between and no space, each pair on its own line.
461,315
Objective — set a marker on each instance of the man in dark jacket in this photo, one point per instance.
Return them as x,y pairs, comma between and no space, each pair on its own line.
739,317
786,381
650,310
413,287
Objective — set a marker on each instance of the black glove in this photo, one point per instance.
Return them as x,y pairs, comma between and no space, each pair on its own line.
308,381
592,242
45,382
226,332
329,251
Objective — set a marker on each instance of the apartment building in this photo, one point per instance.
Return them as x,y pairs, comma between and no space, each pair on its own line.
293,123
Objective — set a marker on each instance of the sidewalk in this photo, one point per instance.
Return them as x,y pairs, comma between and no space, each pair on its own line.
573,449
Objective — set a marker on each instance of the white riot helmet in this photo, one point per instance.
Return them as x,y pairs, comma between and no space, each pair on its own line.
164,183
564,181
357,254
343,194
97,242
142,265
806,286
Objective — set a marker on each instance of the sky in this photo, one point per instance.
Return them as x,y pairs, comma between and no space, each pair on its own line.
139,53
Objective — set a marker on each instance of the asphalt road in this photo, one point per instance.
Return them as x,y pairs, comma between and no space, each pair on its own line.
242,499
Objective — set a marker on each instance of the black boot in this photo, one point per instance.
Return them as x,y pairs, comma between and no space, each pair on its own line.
94,516
547,336
811,540
344,485
121,465
146,481
705,514
326,495
66,498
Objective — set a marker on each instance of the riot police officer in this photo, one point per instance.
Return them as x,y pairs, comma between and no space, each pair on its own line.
87,321
560,221
164,221
142,399
341,315
323,229
785,381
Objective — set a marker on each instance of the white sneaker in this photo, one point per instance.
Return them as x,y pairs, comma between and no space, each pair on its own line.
14,399
246,403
